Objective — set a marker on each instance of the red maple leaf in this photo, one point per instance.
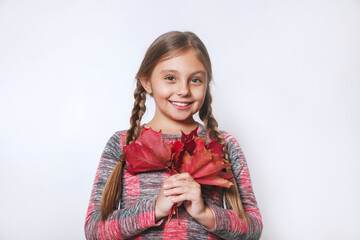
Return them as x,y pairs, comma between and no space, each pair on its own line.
148,152
215,147
188,140
204,162
176,155
206,168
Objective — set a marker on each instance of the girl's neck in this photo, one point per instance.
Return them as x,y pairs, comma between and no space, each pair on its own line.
172,128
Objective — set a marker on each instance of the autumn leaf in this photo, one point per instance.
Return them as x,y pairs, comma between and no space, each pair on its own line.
204,162
148,152
206,168
214,180
225,175
176,155
215,147
188,140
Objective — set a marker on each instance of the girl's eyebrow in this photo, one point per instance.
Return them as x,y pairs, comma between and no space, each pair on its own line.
174,71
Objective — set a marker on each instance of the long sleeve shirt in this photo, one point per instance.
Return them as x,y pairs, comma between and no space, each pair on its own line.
134,217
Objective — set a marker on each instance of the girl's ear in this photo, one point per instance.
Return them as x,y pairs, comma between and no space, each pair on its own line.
145,82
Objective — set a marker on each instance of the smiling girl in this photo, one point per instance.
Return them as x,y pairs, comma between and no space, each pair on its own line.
178,86
176,72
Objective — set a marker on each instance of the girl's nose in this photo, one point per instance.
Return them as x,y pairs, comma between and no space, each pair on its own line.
183,89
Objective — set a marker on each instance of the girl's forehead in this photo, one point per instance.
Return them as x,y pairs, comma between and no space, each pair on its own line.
173,59
175,53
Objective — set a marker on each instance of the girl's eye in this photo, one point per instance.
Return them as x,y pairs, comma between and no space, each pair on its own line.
196,80
171,78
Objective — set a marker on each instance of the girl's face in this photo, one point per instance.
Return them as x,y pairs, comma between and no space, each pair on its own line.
178,86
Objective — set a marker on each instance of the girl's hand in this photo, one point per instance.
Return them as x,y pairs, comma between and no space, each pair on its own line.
163,204
182,188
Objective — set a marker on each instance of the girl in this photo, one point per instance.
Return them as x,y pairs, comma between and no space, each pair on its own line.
176,72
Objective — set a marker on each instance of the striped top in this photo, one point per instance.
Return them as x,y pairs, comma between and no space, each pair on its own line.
134,217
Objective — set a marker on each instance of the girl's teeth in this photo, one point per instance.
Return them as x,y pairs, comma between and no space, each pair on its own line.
180,104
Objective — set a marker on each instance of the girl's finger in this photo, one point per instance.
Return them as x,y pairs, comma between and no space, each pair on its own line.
175,191
182,176
180,183
192,189
171,178
181,198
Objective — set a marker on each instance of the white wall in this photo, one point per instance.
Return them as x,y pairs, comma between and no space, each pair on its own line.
287,79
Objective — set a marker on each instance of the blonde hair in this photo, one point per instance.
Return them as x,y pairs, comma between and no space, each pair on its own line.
164,47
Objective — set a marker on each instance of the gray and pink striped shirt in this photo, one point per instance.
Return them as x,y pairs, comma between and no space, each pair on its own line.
134,217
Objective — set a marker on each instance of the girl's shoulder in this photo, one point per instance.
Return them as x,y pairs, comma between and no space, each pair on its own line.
233,147
229,138
114,145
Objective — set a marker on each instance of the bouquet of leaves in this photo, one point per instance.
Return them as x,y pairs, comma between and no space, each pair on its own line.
204,162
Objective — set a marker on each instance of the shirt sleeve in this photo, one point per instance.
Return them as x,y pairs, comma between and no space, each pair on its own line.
122,223
227,224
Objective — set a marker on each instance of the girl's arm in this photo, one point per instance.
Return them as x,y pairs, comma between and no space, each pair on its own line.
227,225
122,223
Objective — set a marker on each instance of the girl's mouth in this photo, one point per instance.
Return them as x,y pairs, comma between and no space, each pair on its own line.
181,105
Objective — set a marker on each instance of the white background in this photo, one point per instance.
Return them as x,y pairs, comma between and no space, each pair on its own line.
287,86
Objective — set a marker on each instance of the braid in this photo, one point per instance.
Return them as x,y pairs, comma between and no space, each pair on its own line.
136,114
232,194
112,190
210,122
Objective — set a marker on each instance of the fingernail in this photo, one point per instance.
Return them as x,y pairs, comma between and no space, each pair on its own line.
165,192
165,186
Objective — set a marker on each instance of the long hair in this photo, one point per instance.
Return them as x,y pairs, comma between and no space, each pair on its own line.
164,47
